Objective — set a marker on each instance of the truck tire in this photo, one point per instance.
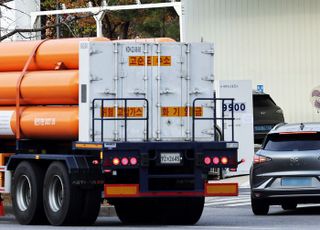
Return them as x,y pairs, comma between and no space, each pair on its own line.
63,202
27,202
136,210
91,206
259,206
181,210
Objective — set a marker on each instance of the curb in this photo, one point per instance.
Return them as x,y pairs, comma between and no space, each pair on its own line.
106,211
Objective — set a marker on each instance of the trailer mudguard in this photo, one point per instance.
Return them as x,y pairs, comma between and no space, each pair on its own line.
82,168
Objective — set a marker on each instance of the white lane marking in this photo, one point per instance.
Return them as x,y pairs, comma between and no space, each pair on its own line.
229,227
245,185
226,199
240,204
227,202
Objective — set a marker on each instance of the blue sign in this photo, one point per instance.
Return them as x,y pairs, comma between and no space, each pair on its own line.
260,88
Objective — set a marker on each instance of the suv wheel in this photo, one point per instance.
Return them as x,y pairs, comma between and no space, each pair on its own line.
289,206
259,206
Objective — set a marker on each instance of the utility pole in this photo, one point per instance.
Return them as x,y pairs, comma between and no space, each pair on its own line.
58,19
0,21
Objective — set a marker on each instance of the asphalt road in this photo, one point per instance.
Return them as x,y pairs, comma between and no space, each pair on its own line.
219,213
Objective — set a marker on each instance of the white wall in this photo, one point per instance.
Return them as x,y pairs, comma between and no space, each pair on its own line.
18,18
273,42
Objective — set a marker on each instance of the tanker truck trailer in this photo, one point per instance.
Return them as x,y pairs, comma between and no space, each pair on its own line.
133,123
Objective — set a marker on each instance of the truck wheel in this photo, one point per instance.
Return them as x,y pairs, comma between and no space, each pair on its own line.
259,207
184,211
91,206
136,210
63,202
181,210
27,194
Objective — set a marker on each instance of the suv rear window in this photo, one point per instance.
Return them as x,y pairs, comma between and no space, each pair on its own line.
290,142
262,101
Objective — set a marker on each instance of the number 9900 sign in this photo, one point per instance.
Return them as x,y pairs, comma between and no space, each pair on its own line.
237,107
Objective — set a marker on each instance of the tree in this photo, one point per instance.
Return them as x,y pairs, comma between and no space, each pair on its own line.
122,24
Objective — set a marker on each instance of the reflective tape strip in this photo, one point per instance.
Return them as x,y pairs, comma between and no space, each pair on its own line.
119,190
221,189
88,146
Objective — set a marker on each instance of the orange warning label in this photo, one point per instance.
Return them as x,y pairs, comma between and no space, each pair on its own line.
131,112
151,60
180,111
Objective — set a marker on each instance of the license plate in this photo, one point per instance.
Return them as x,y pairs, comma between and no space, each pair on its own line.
296,181
170,158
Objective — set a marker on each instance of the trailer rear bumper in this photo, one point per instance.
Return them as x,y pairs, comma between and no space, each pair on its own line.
133,190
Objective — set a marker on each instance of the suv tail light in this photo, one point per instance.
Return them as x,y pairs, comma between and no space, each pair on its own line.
258,159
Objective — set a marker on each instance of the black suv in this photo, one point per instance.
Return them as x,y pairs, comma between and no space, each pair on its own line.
266,114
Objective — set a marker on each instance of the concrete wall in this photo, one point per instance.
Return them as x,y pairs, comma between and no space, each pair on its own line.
273,42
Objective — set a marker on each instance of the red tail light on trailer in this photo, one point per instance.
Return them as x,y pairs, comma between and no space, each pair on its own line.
216,160
133,161
207,160
116,161
124,161
95,162
224,160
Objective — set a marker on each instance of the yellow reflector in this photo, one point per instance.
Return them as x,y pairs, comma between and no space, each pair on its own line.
88,146
4,157
221,189
1,179
121,190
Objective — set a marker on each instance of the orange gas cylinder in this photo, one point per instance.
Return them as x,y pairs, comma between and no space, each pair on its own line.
42,122
40,87
13,55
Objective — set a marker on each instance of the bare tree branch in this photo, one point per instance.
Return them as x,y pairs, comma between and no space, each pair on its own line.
34,30
10,8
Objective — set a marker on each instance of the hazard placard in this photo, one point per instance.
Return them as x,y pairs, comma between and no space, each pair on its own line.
176,111
151,60
131,112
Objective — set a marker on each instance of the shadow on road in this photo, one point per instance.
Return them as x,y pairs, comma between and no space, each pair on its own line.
298,211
